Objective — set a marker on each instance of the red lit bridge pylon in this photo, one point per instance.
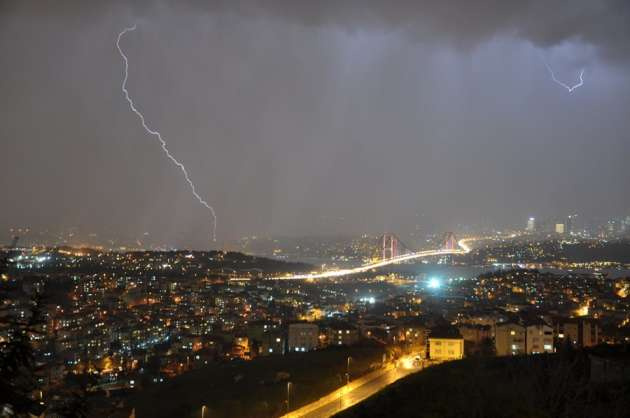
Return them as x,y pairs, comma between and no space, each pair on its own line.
393,247
450,242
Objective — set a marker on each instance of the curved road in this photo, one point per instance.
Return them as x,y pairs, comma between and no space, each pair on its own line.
351,394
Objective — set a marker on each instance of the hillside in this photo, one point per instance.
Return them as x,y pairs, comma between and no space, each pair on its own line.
535,386
255,388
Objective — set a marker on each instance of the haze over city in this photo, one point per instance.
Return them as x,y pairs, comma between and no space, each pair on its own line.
295,119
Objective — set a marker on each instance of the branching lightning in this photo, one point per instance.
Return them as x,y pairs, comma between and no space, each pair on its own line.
157,134
566,86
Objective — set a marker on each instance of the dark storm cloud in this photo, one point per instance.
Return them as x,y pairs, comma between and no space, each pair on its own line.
603,23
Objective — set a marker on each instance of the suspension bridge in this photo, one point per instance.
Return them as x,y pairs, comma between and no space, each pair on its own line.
393,252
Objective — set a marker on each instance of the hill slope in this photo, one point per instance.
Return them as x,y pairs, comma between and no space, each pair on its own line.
535,386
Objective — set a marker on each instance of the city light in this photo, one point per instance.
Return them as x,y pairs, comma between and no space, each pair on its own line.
582,311
407,362
434,283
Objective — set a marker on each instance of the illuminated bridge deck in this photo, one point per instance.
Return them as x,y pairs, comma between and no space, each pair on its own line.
463,249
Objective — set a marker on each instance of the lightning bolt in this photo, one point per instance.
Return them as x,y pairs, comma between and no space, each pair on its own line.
566,86
157,134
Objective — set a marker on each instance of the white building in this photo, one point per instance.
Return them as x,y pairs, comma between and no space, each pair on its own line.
539,339
532,338
510,339
446,349
303,337
446,345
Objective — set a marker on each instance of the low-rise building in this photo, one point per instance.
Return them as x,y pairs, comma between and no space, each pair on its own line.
341,333
539,338
414,335
241,347
581,332
272,343
303,336
445,345
477,338
510,339
475,334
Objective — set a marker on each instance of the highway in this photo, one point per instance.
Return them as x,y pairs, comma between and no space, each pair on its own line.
463,249
351,394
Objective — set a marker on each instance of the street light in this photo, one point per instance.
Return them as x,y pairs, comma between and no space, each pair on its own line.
348,370
203,411
288,396
340,391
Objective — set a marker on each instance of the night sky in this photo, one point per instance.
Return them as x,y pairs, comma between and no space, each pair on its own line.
311,117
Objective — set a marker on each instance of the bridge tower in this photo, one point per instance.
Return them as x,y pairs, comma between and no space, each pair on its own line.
390,246
450,242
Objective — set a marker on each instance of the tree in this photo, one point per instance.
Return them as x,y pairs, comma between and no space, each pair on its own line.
486,348
17,361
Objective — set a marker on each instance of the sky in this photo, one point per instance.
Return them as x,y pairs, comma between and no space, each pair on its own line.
310,118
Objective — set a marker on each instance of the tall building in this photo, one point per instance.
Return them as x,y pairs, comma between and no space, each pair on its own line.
560,229
531,224
570,224
303,336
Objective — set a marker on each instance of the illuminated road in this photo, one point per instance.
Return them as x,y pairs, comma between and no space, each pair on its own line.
463,249
351,394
